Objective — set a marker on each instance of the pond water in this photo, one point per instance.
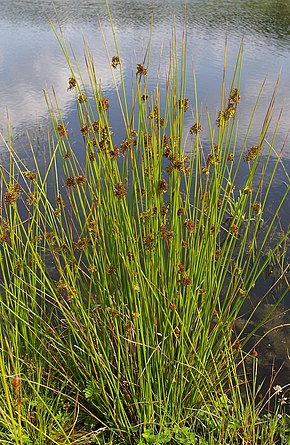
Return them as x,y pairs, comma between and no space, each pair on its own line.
31,59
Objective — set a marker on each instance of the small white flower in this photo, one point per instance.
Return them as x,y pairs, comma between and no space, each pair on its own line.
283,400
278,389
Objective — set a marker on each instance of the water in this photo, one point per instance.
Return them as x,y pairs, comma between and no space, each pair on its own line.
30,60
30,57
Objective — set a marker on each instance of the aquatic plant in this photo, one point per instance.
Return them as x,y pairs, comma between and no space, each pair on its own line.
124,282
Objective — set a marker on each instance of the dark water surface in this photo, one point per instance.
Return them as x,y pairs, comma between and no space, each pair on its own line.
30,60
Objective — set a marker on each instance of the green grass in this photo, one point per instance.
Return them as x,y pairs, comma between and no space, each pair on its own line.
131,335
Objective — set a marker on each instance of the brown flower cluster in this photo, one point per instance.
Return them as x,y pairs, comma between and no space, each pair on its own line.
30,175
115,61
61,130
166,234
72,83
196,128
162,186
231,109
141,70
252,153
183,104
73,181
12,195
120,190
104,103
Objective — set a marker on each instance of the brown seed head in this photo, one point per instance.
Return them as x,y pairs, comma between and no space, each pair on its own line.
120,190
61,130
115,61
234,229
30,175
196,128
172,307
252,153
104,103
71,83
16,382
82,98
190,226
141,70
162,186
177,331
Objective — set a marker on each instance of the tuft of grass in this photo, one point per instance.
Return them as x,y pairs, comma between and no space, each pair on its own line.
125,269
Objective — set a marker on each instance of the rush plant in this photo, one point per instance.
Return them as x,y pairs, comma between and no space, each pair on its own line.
126,263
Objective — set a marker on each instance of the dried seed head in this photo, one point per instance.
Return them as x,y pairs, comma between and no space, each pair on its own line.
190,226
247,190
16,382
213,159
85,130
59,201
252,153
70,181
172,307
104,103
92,156
177,331
257,207
185,279
82,98
80,180
164,210
162,186
148,242
31,200
126,145
234,229
30,175
204,171
235,97
61,130
82,243
180,268
95,127
13,194
141,70
4,237
165,233
115,61
114,153
110,269
183,104
120,190
71,83
196,128
114,312
130,255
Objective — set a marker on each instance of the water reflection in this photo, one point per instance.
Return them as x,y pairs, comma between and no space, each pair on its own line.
31,58
271,19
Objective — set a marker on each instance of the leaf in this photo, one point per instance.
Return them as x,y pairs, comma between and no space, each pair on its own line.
149,435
